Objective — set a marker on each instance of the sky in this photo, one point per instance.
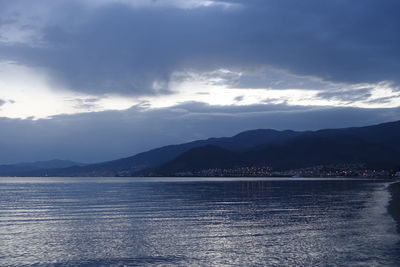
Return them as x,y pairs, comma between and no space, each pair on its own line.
95,80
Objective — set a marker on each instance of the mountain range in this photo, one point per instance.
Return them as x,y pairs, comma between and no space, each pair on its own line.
375,146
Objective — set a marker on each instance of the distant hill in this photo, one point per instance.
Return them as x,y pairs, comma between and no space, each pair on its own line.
204,157
376,146
303,151
140,163
20,168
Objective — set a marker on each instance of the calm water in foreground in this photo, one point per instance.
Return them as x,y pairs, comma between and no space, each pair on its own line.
201,222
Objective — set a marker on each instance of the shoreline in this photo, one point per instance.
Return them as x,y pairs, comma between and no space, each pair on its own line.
394,203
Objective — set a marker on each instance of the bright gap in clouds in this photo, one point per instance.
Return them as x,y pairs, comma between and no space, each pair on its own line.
186,4
29,93
223,87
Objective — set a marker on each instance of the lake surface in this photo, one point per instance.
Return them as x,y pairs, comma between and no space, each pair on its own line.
195,222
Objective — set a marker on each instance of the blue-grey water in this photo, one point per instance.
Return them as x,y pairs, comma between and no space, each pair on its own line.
195,222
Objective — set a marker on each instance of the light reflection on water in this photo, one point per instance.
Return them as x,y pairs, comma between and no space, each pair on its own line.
228,222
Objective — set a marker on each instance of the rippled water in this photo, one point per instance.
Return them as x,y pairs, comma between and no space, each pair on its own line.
185,222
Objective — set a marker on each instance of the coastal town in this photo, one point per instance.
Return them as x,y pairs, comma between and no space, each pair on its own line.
328,171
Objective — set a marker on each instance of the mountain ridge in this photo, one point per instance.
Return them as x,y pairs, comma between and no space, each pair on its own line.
285,149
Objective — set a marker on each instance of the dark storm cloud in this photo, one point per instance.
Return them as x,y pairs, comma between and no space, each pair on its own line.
117,48
90,137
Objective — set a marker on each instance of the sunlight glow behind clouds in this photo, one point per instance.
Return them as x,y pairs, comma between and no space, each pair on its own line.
30,93
221,87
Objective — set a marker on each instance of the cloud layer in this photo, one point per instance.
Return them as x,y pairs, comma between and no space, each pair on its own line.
133,47
92,137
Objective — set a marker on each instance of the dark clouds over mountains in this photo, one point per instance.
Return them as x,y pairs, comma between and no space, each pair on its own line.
128,48
133,48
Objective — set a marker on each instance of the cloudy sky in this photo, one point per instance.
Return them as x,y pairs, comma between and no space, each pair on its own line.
94,80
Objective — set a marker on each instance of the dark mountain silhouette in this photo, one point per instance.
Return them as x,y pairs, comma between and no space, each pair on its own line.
136,164
303,151
375,146
316,149
204,157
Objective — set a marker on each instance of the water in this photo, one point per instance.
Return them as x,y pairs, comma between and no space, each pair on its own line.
195,222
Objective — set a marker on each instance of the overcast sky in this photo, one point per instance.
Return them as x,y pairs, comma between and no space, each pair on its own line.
94,80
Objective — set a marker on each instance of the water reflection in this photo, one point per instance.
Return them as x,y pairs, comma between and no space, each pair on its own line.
186,222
